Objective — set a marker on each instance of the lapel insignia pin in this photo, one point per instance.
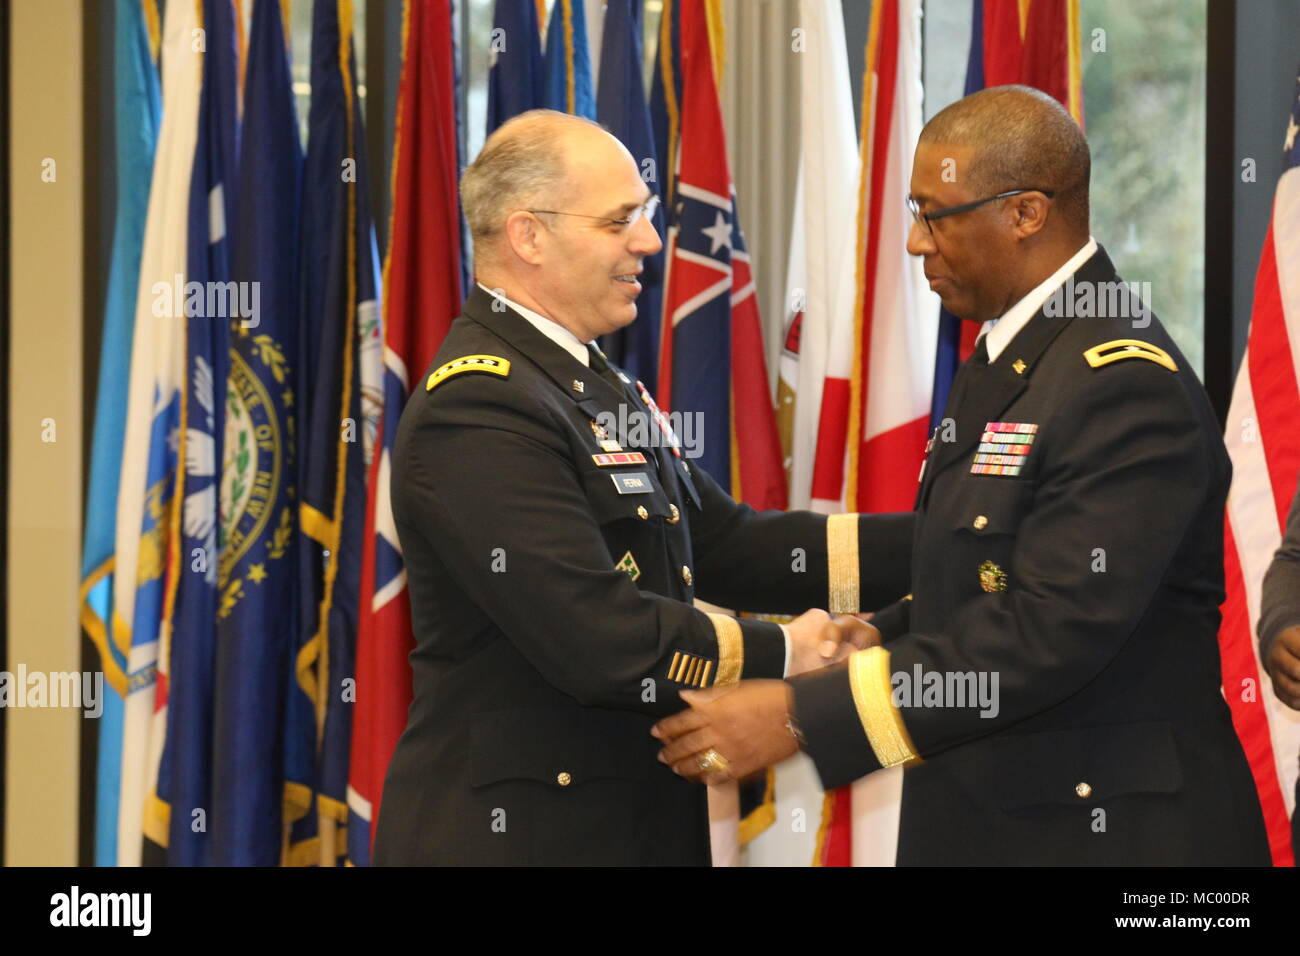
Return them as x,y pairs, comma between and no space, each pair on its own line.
1002,448
1019,366
578,385
992,578
628,563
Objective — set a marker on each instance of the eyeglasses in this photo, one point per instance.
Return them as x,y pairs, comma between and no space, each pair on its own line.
646,209
925,218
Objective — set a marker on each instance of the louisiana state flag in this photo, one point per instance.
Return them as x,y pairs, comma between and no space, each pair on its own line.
177,816
137,106
422,295
257,609
339,384
711,358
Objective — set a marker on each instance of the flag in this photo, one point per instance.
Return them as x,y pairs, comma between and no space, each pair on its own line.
339,384
1265,448
516,70
152,424
136,109
422,295
621,108
568,64
666,97
711,353
258,609
876,399
1036,43
820,283
820,298
177,814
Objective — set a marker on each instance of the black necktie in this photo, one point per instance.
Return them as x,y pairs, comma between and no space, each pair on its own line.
971,368
601,367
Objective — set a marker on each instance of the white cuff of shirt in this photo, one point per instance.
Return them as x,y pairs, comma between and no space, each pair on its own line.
785,632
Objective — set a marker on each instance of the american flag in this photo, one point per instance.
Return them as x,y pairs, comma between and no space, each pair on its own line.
1265,447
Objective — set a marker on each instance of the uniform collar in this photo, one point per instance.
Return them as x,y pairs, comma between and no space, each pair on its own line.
548,327
999,332
569,370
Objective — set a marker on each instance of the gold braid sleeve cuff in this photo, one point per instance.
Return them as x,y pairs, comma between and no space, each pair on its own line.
881,720
731,649
842,567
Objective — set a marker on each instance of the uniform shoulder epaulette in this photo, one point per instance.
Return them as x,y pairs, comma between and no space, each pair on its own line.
468,363
1119,349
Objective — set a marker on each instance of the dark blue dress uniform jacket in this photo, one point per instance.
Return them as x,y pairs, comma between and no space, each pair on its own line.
553,614
1090,582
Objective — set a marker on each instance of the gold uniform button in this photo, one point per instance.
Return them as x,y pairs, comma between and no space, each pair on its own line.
1083,790
677,515
564,779
981,522
642,513
686,575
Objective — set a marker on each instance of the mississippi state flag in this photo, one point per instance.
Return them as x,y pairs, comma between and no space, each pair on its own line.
711,357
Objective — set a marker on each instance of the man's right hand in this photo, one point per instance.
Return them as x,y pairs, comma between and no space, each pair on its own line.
818,640
1284,666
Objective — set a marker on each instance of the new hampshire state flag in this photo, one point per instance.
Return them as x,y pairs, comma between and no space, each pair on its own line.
257,611
178,816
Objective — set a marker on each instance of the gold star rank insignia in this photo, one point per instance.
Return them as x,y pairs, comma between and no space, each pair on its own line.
992,578
257,573
628,563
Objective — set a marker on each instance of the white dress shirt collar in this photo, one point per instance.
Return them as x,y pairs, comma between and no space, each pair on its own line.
548,327
1001,331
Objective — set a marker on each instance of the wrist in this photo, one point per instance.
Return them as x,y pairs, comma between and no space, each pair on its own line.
791,724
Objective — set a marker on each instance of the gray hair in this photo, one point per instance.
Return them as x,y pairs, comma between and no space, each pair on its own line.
1024,139
521,164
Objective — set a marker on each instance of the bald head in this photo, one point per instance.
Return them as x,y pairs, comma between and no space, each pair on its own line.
1020,138
525,163
556,206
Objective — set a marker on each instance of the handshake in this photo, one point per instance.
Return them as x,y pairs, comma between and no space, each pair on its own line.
734,731
818,639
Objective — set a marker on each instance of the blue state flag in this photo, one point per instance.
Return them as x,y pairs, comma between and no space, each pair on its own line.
257,611
621,108
185,771
340,381
516,72
568,62
137,107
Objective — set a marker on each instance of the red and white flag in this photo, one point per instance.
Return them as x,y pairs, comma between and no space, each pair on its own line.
875,403
1264,443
